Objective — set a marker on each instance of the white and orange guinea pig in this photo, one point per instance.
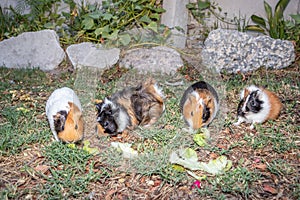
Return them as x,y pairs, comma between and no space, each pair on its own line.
257,105
133,106
64,113
199,105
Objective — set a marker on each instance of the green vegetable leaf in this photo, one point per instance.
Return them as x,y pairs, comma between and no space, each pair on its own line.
200,140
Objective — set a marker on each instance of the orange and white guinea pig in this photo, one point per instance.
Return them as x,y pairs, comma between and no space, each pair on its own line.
257,105
64,113
199,105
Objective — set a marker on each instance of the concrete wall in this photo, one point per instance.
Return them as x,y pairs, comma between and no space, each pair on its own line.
232,7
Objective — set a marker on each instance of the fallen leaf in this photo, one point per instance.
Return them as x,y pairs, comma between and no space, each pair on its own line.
200,140
186,158
213,155
42,168
270,189
109,194
86,148
189,160
262,167
126,149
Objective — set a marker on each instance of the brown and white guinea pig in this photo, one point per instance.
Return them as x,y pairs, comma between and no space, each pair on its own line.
64,113
257,105
142,105
199,105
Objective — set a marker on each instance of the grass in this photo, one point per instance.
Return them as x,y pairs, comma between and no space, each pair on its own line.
33,165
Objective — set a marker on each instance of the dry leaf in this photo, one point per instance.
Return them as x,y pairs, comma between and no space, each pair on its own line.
270,189
262,167
42,168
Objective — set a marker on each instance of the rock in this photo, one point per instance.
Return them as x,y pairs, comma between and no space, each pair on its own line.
233,51
92,55
39,49
157,59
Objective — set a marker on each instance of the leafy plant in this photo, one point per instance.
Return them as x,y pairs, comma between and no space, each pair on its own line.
108,21
292,30
88,22
274,25
236,181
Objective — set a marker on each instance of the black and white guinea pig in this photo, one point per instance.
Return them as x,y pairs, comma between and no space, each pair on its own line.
133,106
64,113
257,105
199,105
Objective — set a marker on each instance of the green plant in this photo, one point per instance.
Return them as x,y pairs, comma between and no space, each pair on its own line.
274,25
236,181
292,30
112,18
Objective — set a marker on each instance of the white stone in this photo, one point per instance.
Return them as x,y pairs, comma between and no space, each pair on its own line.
92,55
157,59
32,50
233,51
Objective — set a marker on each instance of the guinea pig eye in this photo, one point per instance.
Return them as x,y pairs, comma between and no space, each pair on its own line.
192,113
76,127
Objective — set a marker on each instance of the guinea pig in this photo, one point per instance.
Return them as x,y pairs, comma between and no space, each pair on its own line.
199,105
257,105
64,113
131,107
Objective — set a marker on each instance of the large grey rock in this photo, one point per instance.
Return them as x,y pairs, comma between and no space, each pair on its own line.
32,49
92,55
176,15
157,59
233,51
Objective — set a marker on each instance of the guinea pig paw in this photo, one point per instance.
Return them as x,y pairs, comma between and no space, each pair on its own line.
252,126
237,123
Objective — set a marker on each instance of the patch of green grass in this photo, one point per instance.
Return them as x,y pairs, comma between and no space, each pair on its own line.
20,130
280,167
236,181
271,136
58,153
66,183
212,192
70,172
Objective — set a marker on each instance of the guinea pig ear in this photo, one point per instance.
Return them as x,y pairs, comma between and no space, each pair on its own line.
244,94
256,94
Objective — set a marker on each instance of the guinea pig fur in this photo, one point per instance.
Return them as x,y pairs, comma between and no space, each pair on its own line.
257,105
130,107
199,105
64,113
